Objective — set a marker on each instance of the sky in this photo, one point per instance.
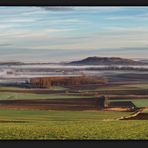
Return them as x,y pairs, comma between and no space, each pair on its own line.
59,34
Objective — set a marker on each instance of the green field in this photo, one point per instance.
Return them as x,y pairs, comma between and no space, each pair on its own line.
10,88
69,125
141,102
139,86
44,115
123,87
15,95
20,88
145,111
137,102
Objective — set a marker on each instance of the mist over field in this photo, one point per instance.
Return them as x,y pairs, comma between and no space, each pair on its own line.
73,73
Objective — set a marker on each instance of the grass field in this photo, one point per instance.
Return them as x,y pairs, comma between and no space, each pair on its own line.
139,86
123,87
141,102
19,88
10,88
145,111
15,95
137,102
59,124
69,125
109,87
44,115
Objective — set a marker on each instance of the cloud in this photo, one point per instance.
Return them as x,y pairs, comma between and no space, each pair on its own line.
140,17
5,44
127,29
19,20
58,8
84,8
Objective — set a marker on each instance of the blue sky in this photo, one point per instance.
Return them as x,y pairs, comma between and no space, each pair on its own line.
53,34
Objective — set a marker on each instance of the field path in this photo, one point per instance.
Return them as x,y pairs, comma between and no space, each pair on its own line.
135,114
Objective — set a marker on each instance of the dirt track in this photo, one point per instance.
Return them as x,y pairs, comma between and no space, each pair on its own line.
140,116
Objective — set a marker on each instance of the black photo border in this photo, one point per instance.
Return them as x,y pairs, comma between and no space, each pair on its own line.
74,143
73,2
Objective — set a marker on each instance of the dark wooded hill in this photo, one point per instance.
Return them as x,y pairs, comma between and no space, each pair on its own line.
106,61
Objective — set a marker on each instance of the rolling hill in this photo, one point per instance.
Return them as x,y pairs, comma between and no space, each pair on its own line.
106,61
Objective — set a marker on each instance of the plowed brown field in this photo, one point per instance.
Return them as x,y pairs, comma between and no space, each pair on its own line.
52,104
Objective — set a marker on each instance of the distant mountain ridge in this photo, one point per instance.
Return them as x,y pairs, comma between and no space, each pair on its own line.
88,61
144,61
23,63
11,63
106,61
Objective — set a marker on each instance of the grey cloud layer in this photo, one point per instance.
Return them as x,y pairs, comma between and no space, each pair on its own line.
58,8
5,44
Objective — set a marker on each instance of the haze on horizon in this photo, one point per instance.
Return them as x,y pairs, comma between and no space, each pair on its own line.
55,34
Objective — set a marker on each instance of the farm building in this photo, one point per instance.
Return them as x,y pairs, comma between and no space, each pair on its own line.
47,82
